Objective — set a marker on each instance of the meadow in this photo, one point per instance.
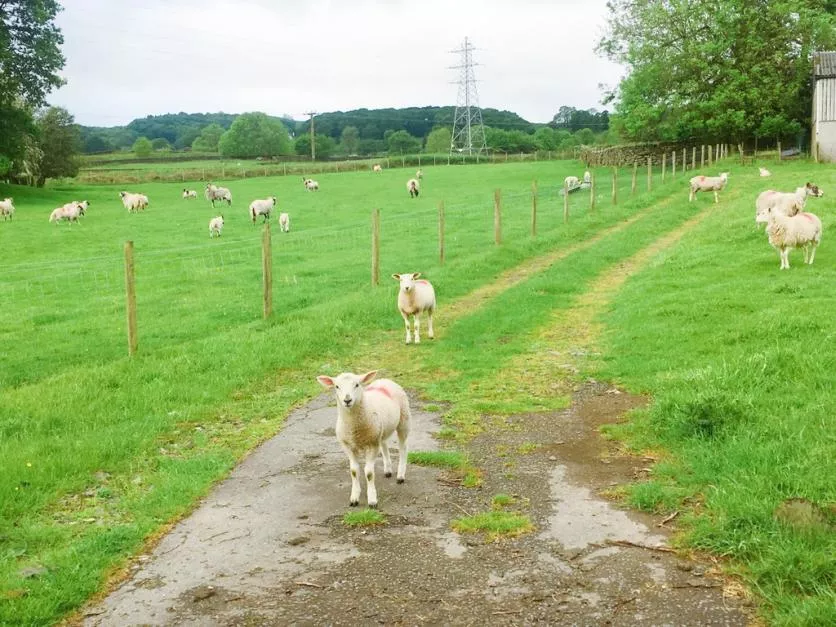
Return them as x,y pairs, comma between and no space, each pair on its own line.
100,452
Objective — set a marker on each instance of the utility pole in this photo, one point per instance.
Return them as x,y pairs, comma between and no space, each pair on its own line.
468,131
313,135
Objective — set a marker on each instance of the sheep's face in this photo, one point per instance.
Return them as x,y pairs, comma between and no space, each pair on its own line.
814,190
724,176
122,194
407,281
348,387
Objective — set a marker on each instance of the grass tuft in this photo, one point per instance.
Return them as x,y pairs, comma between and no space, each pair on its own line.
439,459
364,518
495,524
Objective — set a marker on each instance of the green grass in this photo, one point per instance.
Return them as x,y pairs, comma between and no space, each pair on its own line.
502,500
739,358
364,518
439,459
494,524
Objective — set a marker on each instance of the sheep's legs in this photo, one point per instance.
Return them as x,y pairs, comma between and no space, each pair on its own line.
371,491
354,468
812,253
403,451
716,197
408,331
417,319
387,459
785,258
430,324
690,195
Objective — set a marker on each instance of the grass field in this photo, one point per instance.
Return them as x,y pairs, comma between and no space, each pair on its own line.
99,452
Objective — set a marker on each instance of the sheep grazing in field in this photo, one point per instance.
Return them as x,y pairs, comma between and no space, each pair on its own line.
419,175
708,184
263,208
802,230
764,172
367,416
413,187
414,298
377,168
69,212
7,209
310,185
571,181
216,225
133,202
788,203
213,193
284,222
189,193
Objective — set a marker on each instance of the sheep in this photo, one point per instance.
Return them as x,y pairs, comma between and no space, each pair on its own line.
419,175
189,193
367,415
284,222
377,168
310,185
587,177
571,181
708,184
216,225
764,172
69,212
788,203
133,202
415,298
213,193
799,231
7,209
413,187
262,208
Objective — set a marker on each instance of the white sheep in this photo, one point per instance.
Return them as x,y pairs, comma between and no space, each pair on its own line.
133,202
414,298
788,203
377,168
310,185
216,225
213,193
419,175
262,207
367,415
413,187
571,181
284,222
802,230
70,212
708,184
7,209
189,193
764,172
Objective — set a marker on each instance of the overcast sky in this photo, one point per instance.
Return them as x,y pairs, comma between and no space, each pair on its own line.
131,58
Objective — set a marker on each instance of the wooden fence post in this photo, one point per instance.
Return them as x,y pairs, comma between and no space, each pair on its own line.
694,158
130,297
376,247
664,165
565,202
710,160
497,217
635,175
441,233
534,208
649,173
673,164
615,186
684,160
591,193
779,151
702,156
267,270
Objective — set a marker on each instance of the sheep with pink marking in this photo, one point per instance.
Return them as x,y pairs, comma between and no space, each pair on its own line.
703,183
415,297
787,203
368,413
802,230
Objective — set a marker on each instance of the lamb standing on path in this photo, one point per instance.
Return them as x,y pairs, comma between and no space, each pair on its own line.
367,415
708,184
799,231
414,298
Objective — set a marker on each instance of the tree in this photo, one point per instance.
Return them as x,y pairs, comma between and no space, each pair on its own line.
255,135
350,139
97,144
717,70
142,147
401,142
546,138
209,138
325,146
60,141
439,140
160,143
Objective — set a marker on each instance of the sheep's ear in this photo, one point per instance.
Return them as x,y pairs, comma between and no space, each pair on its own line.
397,277
415,275
325,381
368,377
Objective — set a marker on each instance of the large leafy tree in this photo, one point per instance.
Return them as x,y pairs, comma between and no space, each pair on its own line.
60,140
30,59
142,147
255,135
726,69
401,142
438,141
209,138
350,140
